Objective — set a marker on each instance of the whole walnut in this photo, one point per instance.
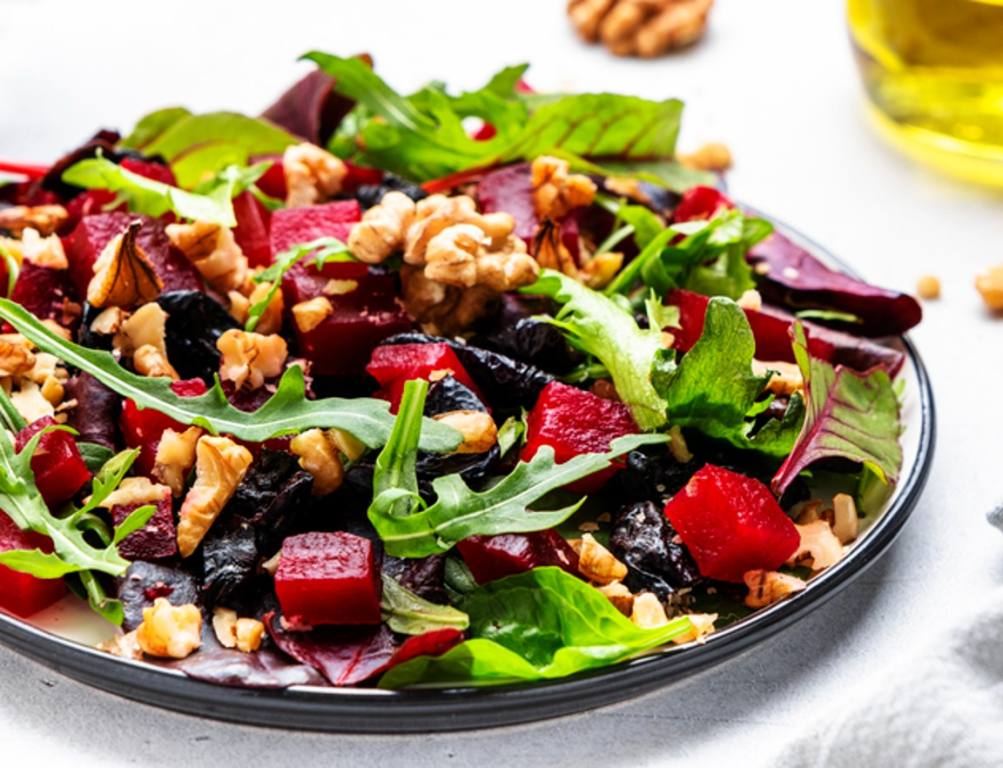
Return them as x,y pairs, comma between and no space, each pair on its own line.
643,28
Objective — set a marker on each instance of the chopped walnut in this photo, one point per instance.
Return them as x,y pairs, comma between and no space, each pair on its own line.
31,403
136,490
701,625
443,309
271,319
601,268
109,321
643,28
382,229
347,444
43,251
142,335
845,524
16,356
819,547
556,191
805,512
648,611
598,564
318,456
989,284
750,299
768,587
123,273
312,174
618,594
550,250
219,467
170,631
150,361
250,358
233,632
45,219
785,378
125,646
477,427
176,457
309,314
928,287
213,251
710,157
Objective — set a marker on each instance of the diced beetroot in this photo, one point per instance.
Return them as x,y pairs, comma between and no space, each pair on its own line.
396,364
485,132
357,175
150,169
157,540
329,578
772,330
43,291
731,524
21,593
434,643
272,181
292,226
510,190
88,203
700,203
495,557
365,311
573,422
58,467
93,233
143,427
251,232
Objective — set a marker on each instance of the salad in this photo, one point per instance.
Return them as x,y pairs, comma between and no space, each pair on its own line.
423,390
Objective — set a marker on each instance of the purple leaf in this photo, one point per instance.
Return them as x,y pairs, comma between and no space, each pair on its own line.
311,108
261,669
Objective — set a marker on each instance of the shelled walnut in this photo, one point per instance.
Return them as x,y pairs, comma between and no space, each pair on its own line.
645,28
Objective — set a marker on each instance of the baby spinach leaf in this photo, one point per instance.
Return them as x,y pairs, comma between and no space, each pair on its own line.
849,415
410,528
288,411
409,614
538,625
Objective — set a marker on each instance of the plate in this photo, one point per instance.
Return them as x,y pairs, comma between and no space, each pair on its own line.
61,637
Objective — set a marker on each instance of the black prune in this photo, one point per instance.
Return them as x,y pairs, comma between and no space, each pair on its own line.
194,323
515,332
144,582
448,394
95,416
644,540
648,477
229,559
369,195
87,337
474,468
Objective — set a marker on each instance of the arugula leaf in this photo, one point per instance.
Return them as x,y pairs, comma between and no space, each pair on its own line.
288,411
538,625
407,613
849,415
598,325
410,528
154,198
512,433
135,521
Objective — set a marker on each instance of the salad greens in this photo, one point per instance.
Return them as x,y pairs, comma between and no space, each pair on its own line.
410,528
407,613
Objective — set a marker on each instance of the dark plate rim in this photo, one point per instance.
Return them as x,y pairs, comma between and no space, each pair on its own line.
364,710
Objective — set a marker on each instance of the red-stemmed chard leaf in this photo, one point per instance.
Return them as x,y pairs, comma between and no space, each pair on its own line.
847,415
310,108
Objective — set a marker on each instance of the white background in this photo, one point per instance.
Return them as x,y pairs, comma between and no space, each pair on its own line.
775,80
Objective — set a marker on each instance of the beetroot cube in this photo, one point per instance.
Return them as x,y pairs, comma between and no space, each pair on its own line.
143,427
157,540
731,524
21,593
700,203
395,364
495,557
58,467
273,181
573,421
150,169
329,578
43,291
293,226
251,232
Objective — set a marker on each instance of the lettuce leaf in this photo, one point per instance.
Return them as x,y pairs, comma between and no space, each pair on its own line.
538,625
409,614
848,415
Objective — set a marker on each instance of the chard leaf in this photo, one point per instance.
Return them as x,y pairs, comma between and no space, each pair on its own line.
665,173
600,326
288,411
848,415
409,614
409,528
154,198
538,625
152,126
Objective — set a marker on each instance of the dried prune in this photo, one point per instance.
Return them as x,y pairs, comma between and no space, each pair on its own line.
145,582
95,416
653,477
516,333
369,195
194,322
448,394
646,543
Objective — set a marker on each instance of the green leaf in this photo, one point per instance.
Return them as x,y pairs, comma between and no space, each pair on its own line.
665,173
407,613
408,528
598,325
9,415
94,455
152,126
106,607
848,415
288,411
108,478
41,565
511,433
233,179
154,198
13,269
538,625
136,521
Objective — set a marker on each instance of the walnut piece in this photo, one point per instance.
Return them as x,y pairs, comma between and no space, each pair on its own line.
220,465
768,587
989,284
16,356
701,625
250,358
713,156
382,229
819,547
233,632
598,564
136,490
479,431
45,219
142,335
125,646
170,631
618,594
556,191
845,524
309,314
176,457
643,28
319,456
123,273
213,251
312,174
42,251
928,287
648,611
786,378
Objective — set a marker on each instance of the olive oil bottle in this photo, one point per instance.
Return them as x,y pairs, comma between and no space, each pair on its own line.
934,71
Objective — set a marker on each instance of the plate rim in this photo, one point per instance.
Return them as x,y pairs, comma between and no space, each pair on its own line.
365,710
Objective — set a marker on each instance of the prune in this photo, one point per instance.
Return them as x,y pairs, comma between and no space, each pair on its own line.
645,541
194,322
88,338
653,477
145,582
474,468
514,332
448,394
424,576
229,560
95,416
369,195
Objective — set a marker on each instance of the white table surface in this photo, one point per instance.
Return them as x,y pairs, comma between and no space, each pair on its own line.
775,80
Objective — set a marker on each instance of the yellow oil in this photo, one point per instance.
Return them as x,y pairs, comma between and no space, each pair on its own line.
934,71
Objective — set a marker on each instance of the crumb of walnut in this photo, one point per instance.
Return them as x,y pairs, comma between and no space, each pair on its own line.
768,587
477,427
309,314
819,548
45,219
598,564
123,274
16,355
701,625
250,358
234,632
928,287
213,251
713,156
136,490
618,594
42,251
176,457
382,229
557,191
640,27
170,631
785,378
648,612
142,336
312,174
443,309
318,455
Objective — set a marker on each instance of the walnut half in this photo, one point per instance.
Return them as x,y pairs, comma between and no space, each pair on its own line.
123,274
643,28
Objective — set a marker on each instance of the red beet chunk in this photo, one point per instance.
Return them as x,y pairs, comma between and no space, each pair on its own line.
494,557
291,226
43,291
143,427
157,540
510,190
772,331
358,176
88,203
93,233
394,365
273,181
574,421
251,232
59,470
21,593
731,524
700,203
329,578
150,169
